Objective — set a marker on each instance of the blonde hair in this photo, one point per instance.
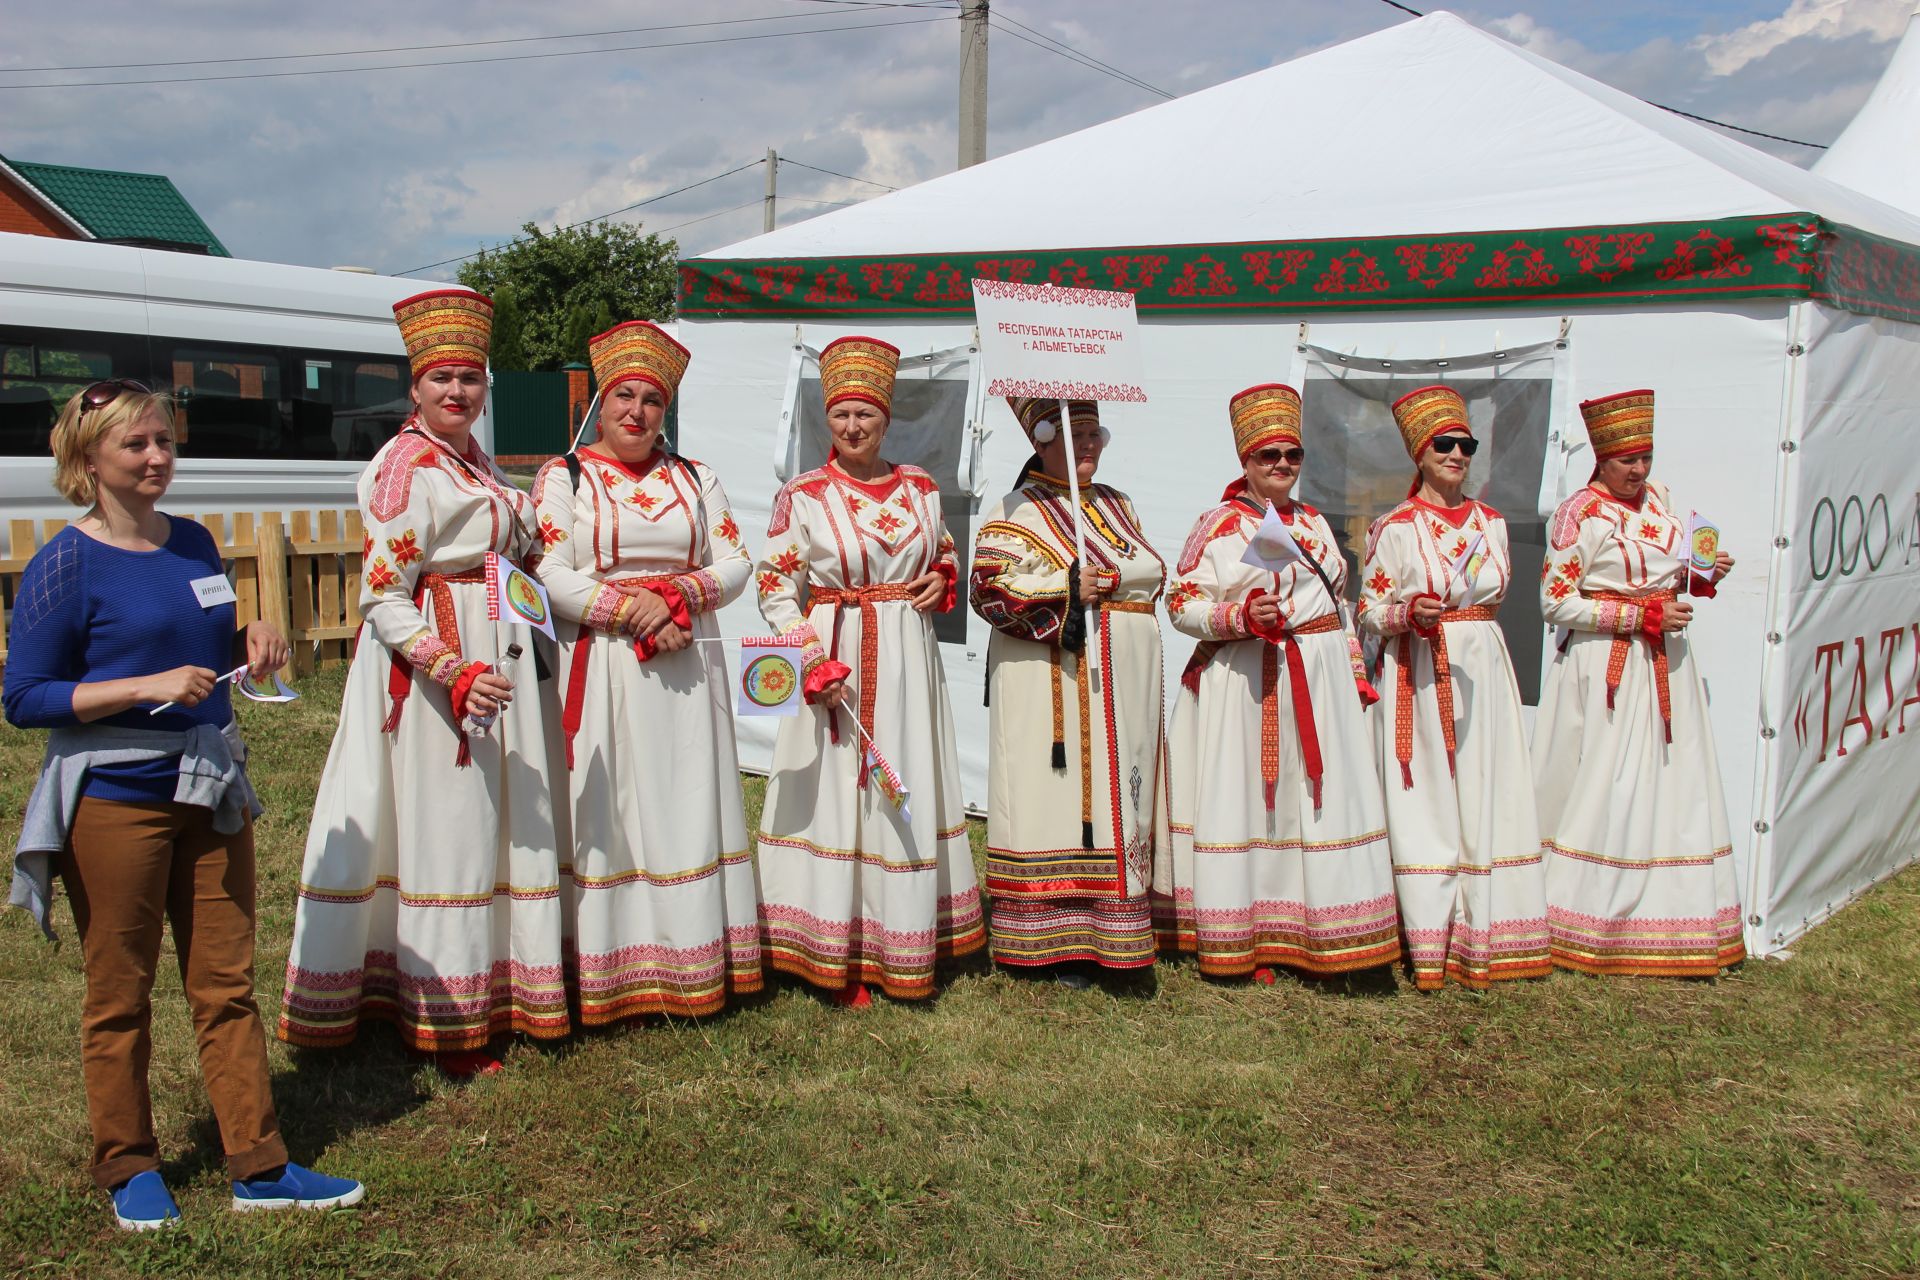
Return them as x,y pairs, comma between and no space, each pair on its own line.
81,429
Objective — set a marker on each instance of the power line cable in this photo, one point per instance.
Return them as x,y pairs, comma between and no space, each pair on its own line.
1086,57
407,48
705,217
1062,50
1737,128
638,204
468,62
802,164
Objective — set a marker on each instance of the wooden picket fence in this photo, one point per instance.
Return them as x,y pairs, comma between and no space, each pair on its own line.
300,572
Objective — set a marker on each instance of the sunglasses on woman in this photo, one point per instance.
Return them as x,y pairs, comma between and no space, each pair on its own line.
103,393
1467,445
1272,454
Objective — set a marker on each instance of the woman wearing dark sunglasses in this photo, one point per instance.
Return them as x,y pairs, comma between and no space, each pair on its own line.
1279,846
1453,748
123,626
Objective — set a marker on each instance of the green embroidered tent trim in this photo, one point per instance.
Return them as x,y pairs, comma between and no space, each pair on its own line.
1788,255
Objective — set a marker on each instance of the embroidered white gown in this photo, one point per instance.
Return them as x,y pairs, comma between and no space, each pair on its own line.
1294,882
852,889
662,885
1639,858
1460,818
430,890
1076,768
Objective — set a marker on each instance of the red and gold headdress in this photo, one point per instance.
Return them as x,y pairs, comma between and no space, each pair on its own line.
1425,412
445,327
1619,425
1264,415
857,368
1031,412
638,351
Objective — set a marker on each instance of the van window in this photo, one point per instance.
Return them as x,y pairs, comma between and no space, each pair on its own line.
229,399
40,370
346,406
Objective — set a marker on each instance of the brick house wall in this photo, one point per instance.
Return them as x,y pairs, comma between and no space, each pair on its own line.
24,213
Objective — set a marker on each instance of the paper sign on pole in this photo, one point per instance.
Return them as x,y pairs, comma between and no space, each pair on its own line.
1054,343
1272,546
769,676
516,595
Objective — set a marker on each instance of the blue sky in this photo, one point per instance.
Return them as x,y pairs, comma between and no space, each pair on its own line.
395,169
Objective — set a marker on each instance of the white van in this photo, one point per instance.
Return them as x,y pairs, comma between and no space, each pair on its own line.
289,378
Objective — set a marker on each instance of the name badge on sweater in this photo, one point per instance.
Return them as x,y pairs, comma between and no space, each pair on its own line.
212,590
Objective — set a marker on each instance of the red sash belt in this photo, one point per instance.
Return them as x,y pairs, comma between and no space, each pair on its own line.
866,598
662,585
1653,603
446,624
1442,685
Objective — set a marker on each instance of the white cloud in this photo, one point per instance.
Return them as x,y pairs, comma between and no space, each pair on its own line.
1819,19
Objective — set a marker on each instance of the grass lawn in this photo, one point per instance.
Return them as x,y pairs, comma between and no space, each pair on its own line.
1762,1125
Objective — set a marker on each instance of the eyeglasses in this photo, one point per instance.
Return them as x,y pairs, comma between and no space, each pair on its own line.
1467,445
101,394
1273,454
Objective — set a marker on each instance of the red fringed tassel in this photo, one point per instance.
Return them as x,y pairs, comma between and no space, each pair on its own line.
464,755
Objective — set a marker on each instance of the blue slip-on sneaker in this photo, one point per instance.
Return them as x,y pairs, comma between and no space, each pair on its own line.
296,1188
143,1203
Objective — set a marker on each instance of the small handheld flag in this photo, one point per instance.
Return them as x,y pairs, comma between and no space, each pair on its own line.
769,676
517,596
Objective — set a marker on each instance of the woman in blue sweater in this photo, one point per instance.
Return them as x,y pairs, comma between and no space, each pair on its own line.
123,624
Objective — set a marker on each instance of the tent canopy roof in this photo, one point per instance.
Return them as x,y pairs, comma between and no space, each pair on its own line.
1879,152
1429,126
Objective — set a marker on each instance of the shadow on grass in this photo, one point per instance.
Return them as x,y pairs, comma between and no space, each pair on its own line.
327,1096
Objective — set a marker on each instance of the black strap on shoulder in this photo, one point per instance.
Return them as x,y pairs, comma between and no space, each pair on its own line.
573,468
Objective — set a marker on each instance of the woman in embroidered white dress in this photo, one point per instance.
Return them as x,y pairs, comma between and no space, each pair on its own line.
1453,751
430,892
1639,857
854,889
641,549
1076,766
1279,842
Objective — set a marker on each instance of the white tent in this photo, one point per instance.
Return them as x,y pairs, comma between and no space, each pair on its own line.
1879,152
1431,201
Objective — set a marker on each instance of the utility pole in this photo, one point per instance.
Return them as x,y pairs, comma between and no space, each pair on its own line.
773,178
973,82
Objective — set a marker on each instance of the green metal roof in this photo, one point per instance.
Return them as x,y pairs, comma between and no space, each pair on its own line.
121,206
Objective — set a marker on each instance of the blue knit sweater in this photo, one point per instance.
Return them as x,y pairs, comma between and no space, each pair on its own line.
87,612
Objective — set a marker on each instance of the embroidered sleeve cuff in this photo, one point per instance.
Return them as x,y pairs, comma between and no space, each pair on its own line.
607,609
432,657
1652,617
1107,580
951,572
701,590
1227,621
1394,619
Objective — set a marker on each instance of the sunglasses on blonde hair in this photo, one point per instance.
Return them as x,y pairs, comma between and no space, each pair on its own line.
103,393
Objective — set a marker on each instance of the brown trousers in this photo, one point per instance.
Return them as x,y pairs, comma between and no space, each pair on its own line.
125,867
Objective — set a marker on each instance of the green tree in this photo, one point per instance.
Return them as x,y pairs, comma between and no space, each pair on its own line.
563,286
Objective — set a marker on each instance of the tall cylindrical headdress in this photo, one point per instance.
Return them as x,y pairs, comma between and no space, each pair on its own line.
1264,415
1619,425
1424,413
445,327
638,351
859,368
